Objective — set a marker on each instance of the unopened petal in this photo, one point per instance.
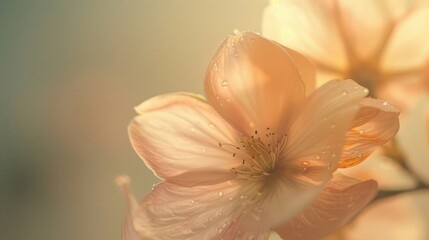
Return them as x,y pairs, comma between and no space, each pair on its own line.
341,200
375,124
254,83
180,133
203,212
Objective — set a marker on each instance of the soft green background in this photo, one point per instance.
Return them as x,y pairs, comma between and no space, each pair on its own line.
70,74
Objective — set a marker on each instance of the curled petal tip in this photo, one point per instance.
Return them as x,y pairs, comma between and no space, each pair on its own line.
122,181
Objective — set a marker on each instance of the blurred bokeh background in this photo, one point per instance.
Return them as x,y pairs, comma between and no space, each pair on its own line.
70,74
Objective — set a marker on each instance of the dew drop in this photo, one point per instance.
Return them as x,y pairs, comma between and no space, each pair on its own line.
225,84
385,103
235,31
220,194
251,237
356,88
243,197
317,157
191,201
219,230
219,213
211,125
344,93
230,198
361,131
305,163
217,97
365,90
333,155
259,209
328,166
235,54
203,150
227,100
210,220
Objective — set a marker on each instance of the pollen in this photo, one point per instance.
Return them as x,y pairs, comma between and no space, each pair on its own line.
259,154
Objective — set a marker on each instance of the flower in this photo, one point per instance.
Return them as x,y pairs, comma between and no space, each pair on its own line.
259,154
381,44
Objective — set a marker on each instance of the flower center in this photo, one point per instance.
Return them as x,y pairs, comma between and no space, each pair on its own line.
259,154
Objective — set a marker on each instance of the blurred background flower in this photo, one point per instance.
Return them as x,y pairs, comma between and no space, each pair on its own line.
70,74
382,44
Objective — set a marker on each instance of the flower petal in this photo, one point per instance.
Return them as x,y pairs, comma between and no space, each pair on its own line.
374,125
413,139
306,70
318,133
340,201
404,216
203,212
408,48
306,26
178,135
388,173
253,83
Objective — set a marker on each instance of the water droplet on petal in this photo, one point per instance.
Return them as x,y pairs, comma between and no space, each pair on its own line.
317,157
235,54
344,93
251,237
219,213
220,194
365,90
361,131
305,163
203,150
191,201
235,31
225,84
211,125
230,198
333,155
328,166
227,100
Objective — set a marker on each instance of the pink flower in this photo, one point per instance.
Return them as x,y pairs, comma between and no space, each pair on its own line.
260,154
381,44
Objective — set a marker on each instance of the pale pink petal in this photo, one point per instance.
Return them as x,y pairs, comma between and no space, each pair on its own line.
308,27
388,172
374,125
254,83
366,23
401,217
129,231
317,135
203,212
413,139
408,48
306,70
341,200
179,134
